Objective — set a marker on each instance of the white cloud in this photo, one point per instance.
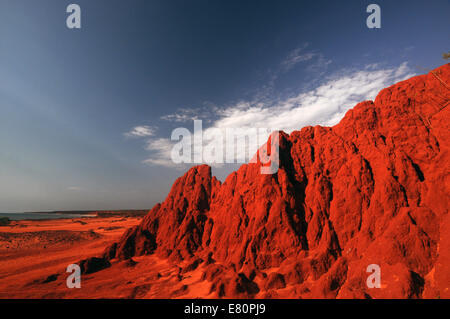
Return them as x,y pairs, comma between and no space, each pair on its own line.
184,115
317,61
161,149
179,118
141,131
295,57
326,104
74,188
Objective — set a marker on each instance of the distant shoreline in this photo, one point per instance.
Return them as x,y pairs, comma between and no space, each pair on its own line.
95,212
5,217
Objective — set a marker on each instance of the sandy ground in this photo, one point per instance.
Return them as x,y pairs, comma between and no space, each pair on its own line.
33,251
30,251
34,256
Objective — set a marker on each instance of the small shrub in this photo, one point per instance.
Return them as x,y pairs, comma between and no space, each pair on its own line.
4,221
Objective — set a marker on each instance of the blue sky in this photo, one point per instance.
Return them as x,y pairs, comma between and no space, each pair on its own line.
85,115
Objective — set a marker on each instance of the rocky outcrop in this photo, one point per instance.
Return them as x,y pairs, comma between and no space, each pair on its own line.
93,264
373,189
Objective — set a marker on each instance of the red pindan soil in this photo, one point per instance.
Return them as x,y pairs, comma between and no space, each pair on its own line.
31,251
373,189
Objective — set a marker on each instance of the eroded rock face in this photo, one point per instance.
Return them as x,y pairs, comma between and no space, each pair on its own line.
93,264
373,189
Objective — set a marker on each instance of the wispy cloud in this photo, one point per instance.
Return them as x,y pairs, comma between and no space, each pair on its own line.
316,61
182,115
312,62
325,104
161,149
74,188
295,57
141,131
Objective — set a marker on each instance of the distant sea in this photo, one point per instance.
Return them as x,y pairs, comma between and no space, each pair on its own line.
22,216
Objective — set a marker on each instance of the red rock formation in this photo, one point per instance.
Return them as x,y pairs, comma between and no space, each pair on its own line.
373,189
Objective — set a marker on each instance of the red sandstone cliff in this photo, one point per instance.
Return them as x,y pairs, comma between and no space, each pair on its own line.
373,189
